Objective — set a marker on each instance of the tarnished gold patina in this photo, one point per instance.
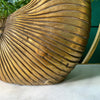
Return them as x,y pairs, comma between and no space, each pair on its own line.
43,41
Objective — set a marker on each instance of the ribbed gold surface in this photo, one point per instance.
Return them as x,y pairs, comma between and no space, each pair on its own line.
43,41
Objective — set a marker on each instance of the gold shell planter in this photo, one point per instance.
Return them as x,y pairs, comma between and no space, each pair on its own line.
43,41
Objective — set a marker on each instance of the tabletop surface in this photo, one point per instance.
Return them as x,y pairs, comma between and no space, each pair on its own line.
83,83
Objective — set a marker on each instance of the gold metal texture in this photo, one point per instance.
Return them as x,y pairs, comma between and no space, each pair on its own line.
93,47
43,41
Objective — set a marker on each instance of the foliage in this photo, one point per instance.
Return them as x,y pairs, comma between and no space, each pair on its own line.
9,6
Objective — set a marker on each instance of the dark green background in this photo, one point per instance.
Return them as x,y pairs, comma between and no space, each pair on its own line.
94,26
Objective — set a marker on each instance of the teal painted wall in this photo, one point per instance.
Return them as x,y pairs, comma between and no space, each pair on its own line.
94,26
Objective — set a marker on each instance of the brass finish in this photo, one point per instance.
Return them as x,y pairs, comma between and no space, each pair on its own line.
43,41
93,47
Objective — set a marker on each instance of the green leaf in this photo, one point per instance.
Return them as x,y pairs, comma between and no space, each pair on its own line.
9,6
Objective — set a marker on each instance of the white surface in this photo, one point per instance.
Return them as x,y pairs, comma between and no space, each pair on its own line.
83,83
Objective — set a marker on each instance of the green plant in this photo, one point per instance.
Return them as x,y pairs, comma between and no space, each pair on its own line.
9,6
